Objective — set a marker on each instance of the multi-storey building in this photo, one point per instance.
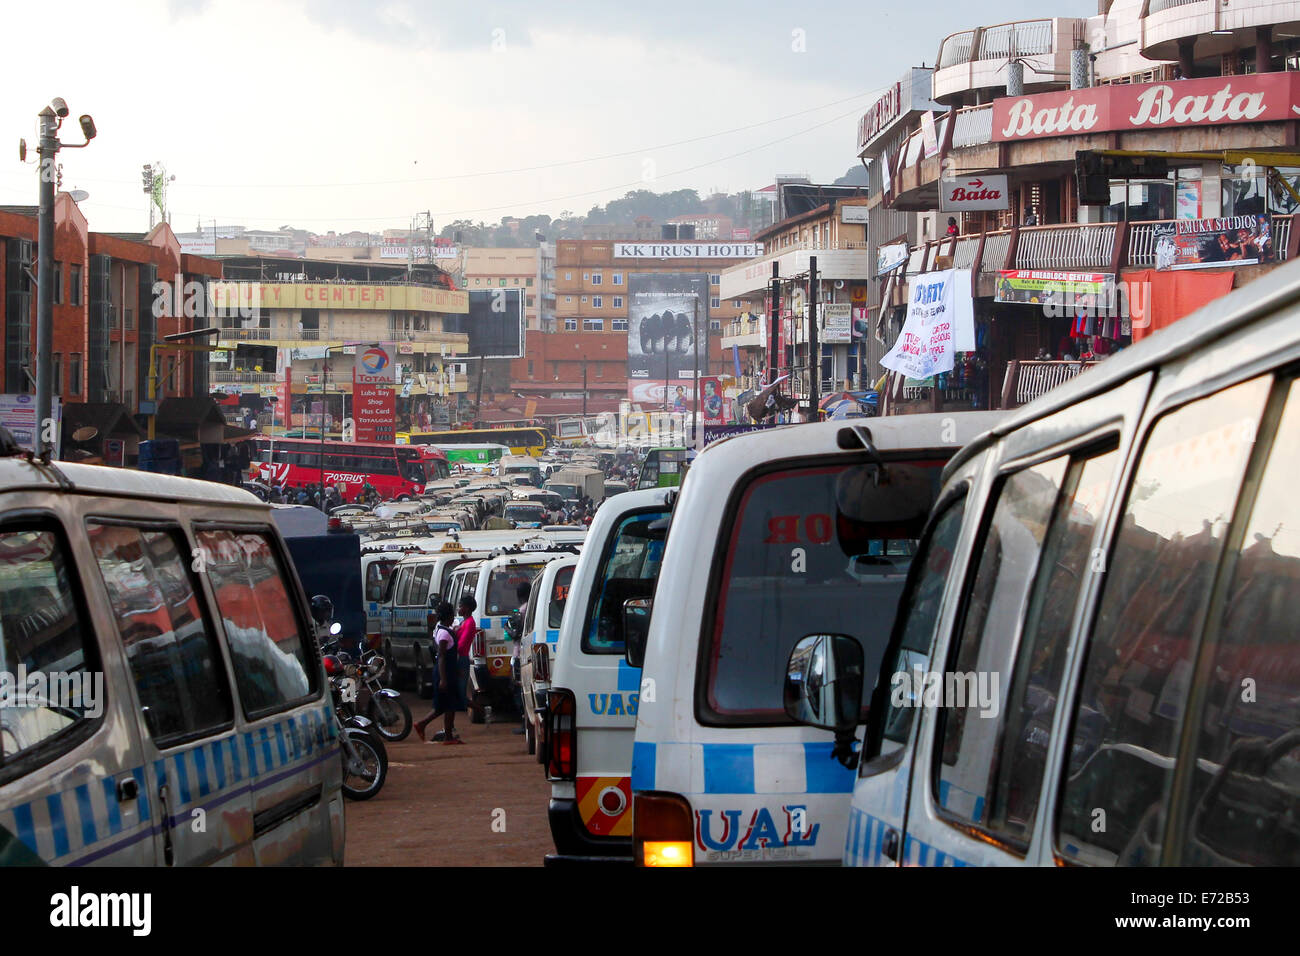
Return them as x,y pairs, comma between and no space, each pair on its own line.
827,224
603,289
295,324
1060,279
116,297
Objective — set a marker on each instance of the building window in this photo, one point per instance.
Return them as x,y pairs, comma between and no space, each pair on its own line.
618,278
736,303
568,277
58,285
597,301
501,283
715,325
528,283
619,325
530,368
586,276
618,302
715,278
600,370
568,298
74,292
74,374
130,318
595,278
528,302
476,281
582,299
593,325
570,325
57,387
715,302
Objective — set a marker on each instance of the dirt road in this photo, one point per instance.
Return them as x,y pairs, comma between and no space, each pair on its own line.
482,803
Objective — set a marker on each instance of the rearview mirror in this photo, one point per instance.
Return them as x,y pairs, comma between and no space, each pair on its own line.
636,629
823,682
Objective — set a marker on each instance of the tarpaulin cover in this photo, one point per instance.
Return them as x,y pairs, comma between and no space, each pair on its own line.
1173,295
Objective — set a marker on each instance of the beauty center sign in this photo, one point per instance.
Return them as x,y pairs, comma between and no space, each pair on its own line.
1256,98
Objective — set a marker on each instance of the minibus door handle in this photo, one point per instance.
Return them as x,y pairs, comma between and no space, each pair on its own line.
127,789
889,846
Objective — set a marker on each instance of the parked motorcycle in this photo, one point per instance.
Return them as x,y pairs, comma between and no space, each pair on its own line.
384,706
365,759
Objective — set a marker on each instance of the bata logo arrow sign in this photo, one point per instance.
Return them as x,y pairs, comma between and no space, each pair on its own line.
973,194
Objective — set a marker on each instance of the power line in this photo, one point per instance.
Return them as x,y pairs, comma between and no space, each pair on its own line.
520,169
522,203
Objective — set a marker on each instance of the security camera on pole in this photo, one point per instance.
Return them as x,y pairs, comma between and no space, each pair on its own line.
51,119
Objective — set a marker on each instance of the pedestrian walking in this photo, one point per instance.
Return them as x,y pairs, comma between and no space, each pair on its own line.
449,692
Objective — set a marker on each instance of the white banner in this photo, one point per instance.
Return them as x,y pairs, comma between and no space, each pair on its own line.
940,320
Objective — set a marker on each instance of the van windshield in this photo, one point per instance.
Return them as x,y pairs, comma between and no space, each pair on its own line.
502,590
815,550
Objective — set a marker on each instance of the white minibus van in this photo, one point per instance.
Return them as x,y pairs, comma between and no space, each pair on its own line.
1097,656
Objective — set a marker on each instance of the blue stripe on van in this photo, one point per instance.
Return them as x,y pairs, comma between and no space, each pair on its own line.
87,814
629,677
25,826
552,637
109,786
643,766
182,779
823,773
280,745
143,789
219,764
201,771
728,768
58,827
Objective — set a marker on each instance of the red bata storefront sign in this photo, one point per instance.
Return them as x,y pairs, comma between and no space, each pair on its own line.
1259,98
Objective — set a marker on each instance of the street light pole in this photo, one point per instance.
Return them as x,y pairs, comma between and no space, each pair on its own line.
49,147
695,338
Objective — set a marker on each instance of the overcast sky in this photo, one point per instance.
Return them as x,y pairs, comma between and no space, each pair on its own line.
333,114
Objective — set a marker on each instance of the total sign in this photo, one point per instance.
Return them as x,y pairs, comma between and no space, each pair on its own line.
973,194
375,365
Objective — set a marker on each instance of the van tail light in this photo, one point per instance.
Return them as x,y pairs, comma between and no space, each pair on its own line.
663,830
541,662
561,714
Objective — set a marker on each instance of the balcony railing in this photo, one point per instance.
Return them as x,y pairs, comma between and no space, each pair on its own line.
1026,381
1024,38
996,247
956,49
223,377
246,335
974,126
1157,5
1066,247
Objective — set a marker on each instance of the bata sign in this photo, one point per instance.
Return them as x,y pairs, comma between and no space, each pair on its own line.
1258,98
687,250
973,194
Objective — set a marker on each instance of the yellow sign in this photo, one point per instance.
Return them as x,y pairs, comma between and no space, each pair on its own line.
337,295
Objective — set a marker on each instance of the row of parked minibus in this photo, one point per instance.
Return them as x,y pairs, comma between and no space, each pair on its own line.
1061,635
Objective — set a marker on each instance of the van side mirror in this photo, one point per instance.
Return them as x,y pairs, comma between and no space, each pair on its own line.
823,688
636,628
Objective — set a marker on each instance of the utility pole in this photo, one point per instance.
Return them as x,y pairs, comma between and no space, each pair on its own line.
584,392
49,147
814,344
51,118
774,316
695,338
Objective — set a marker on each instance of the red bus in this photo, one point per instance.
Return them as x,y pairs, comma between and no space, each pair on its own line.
393,470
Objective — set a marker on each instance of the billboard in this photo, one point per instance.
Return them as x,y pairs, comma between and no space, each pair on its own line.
1207,243
1046,287
375,365
18,415
496,323
660,314
650,393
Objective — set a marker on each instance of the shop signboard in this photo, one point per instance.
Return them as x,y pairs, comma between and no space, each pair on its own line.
1214,243
1047,287
837,323
974,194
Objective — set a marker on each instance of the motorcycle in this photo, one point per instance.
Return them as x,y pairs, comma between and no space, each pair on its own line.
384,706
365,759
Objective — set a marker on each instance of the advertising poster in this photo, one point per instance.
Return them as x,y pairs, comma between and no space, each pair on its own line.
940,322
1206,243
713,408
374,414
661,311
836,323
18,415
1045,287
1187,199
650,393
375,365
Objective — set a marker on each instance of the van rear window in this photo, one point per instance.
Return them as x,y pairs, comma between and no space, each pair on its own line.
812,550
